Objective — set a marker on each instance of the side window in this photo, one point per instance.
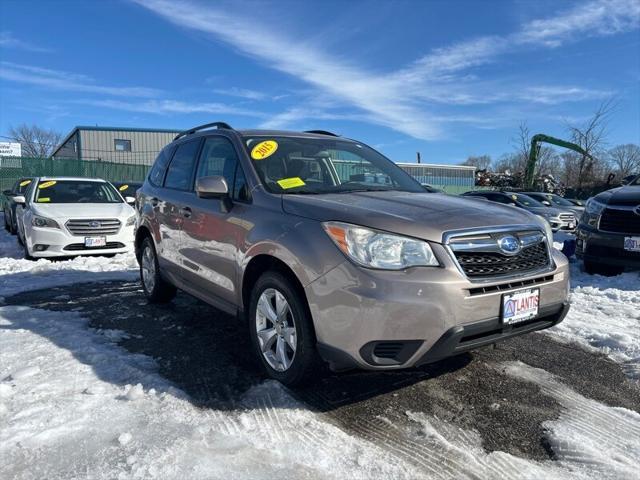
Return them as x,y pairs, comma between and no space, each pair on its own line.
181,167
496,197
160,166
219,157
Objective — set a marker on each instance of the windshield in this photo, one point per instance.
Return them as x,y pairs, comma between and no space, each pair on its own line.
526,200
313,166
636,181
127,189
563,202
22,186
75,191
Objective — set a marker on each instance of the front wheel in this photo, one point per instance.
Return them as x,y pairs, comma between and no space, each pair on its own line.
282,333
156,289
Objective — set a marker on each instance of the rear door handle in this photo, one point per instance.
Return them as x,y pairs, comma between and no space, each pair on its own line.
154,201
185,212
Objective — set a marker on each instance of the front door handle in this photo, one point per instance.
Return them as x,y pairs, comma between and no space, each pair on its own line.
154,201
185,212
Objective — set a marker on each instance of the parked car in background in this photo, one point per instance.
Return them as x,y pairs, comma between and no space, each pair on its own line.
553,200
127,189
608,236
288,230
559,219
9,206
66,216
575,201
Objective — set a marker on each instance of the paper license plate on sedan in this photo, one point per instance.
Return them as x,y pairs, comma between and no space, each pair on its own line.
95,241
632,244
520,306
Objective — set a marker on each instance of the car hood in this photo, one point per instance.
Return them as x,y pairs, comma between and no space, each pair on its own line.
420,215
84,210
548,211
627,196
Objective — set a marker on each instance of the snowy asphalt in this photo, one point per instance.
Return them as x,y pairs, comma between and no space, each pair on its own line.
205,353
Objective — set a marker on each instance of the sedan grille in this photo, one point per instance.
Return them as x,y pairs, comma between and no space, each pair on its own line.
567,217
89,227
81,246
620,221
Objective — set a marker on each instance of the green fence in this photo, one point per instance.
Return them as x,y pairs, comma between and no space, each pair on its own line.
15,167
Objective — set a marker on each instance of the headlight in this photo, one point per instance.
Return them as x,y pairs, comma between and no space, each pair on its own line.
592,211
131,220
547,229
43,222
375,249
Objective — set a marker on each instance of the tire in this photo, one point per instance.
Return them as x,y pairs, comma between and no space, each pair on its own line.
595,268
280,361
27,254
156,289
7,225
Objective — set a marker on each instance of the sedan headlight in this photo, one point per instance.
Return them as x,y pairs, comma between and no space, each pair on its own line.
592,211
131,221
376,249
43,222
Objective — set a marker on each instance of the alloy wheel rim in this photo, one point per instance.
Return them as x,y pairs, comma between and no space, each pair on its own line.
276,330
148,269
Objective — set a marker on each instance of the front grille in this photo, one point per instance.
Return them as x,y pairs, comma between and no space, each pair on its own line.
89,227
510,285
620,221
491,264
567,217
81,246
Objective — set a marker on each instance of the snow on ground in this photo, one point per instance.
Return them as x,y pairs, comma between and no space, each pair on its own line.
75,405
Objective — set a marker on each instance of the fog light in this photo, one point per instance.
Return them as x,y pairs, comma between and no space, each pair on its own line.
39,247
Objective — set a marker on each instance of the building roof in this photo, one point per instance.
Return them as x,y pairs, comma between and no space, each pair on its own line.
111,129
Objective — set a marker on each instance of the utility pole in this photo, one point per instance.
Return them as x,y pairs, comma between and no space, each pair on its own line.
418,156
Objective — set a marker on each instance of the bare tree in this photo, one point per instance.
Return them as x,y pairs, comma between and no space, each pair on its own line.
626,159
522,145
482,162
35,141
591,136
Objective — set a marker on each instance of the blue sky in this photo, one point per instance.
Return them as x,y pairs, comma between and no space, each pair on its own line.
447,78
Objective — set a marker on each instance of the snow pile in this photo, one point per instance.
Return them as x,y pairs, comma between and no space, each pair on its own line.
604,316
18,275
72,405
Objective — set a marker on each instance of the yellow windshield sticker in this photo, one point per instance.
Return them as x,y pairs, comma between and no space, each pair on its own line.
514,197
123,187
25,183
48,184
264,149
292,182
44,200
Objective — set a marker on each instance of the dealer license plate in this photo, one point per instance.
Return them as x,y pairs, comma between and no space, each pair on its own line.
632,244
520,306
95,241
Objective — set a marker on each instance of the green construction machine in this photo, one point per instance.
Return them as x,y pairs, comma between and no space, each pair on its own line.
535,150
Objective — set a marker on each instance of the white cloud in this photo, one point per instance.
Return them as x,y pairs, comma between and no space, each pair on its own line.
241,93
173,107
7,40
61,80
404,100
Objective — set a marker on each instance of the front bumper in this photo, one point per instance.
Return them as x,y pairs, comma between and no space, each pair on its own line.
604,248
60,243
418,310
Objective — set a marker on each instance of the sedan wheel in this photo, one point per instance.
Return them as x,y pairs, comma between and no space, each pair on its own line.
276,330
148,268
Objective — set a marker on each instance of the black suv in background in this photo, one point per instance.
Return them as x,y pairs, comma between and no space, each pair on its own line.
608,236
9,206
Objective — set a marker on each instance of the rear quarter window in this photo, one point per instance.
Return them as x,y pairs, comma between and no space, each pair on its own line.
156,175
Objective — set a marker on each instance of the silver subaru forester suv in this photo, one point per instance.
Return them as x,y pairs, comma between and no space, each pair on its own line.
333,253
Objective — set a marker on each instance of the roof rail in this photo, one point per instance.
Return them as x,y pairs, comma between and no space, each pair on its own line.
321,132
202,127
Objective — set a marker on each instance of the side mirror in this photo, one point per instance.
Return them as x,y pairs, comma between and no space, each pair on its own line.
212,187
546,202
215,186
130,200
19,199
513,204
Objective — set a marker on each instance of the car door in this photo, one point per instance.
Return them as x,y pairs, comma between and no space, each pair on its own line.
212,232
173,205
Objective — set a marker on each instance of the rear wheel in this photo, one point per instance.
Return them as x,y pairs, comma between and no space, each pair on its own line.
7,222
282,333
155,287
595,268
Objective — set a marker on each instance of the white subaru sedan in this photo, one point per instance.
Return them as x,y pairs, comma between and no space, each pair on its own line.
66,216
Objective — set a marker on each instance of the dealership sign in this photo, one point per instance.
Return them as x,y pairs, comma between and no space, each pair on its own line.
10,149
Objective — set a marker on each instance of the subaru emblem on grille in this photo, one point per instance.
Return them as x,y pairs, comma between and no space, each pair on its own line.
637,210
94,224
509,245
